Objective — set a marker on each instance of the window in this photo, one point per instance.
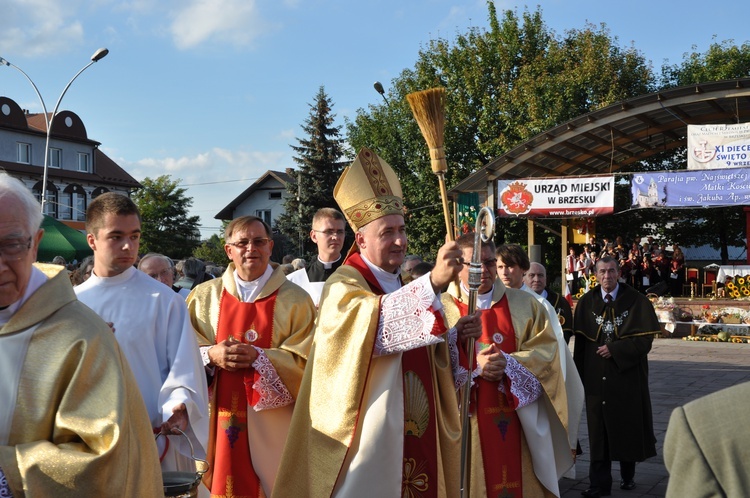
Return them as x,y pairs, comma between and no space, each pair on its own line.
55,158
79,207
264,214
24,153
274,195
66,205
84,162
50,204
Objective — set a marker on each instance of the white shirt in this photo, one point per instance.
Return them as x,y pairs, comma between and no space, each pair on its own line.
153,329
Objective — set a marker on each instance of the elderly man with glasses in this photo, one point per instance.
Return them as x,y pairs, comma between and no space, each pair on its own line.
521,409
254,327
72,421
160,267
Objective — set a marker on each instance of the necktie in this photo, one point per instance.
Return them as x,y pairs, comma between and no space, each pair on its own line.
608,298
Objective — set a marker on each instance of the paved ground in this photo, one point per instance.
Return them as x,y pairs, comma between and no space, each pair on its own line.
679,372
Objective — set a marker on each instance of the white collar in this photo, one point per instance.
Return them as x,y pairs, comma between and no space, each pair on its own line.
613,293
36,280
248,291
388,281
484,301
115,279
328,264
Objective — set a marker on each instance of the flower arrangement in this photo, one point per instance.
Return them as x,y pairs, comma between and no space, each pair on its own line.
739,288
467,219
708,315
587,283
663,303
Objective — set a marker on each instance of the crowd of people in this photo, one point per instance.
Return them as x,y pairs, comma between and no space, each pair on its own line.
646,265
339,378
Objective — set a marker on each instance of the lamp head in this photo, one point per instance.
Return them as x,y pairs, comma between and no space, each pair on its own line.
4,62
379,88
99,54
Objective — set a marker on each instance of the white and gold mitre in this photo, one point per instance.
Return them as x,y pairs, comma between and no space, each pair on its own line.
367,190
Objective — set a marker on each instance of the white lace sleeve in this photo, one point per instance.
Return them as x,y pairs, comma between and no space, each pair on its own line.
273,393
4,488
206,360
405,319
460,375
523,385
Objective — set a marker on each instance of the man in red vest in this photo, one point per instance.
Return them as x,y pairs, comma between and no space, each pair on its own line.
254,328
519,407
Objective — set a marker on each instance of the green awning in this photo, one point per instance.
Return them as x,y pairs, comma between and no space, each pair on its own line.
61,240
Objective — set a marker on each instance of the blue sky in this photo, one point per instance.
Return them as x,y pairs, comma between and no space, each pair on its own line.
216,90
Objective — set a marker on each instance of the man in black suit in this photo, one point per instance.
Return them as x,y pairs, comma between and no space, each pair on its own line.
328,232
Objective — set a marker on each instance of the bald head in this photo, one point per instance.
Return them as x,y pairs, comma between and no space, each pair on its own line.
536,277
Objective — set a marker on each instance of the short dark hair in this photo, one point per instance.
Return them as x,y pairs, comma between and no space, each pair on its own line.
467,240
605,259
108,203
513,255
243,222
327,213
422,268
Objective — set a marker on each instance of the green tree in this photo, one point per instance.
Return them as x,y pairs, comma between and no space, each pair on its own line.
166,227
212,250
504,85
319,159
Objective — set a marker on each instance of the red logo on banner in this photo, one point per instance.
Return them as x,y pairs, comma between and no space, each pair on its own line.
516,198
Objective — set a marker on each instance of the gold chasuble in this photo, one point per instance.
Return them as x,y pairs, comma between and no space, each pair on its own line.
279,322
501,461
329,422
78,425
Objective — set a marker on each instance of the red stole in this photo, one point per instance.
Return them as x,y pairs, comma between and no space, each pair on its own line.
420,466
499,427
233,473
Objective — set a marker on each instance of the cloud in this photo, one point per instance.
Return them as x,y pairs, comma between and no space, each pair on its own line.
212,179
233,22
35,27
287,134
216,164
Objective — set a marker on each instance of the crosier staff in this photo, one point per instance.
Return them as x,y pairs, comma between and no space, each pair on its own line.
484,231
428,109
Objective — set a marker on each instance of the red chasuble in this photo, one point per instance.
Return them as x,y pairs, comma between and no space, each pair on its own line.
420,467
251,323
499,427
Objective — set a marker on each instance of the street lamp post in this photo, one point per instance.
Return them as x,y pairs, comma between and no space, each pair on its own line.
98,55
379,88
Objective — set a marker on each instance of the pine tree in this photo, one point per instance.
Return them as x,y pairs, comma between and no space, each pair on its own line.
318,157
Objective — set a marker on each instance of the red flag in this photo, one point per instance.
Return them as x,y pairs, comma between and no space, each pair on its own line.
566,294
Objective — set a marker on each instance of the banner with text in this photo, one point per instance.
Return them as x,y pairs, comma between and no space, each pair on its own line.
691,188
556,197
718,146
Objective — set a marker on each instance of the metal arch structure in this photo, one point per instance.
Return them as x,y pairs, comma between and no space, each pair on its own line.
606,140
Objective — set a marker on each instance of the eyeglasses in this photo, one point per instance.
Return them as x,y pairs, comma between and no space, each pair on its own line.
331,232
257,242
13,250
487,263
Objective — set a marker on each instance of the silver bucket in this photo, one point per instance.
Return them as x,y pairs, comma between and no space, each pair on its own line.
183,484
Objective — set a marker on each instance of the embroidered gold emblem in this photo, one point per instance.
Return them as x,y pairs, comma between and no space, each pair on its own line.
416,406
415,481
